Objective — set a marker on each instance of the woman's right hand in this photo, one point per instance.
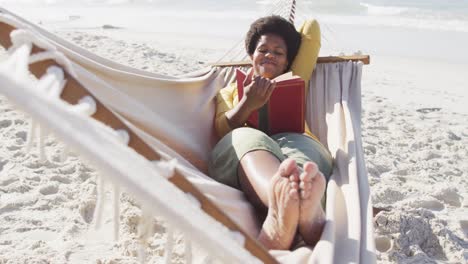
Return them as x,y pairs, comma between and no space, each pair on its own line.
258,92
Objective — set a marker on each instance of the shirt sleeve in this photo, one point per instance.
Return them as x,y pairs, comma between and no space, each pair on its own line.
225,101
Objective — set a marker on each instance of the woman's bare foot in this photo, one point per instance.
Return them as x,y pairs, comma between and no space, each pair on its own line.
280,225
312,217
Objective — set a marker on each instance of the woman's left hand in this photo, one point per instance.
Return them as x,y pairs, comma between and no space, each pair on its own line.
257,93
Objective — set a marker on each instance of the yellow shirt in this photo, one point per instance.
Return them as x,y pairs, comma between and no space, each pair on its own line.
226,99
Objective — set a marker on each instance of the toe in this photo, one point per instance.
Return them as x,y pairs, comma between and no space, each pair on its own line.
305,185
294,185
305,189
320,179
288,168
294,194
306,177
294,178
310,170
310,167
288,165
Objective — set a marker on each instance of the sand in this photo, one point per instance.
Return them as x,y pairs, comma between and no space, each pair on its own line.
415,145
414,135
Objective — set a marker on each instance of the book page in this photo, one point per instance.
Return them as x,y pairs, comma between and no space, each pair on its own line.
286,76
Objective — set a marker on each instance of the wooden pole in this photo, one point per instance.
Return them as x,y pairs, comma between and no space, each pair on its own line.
365,59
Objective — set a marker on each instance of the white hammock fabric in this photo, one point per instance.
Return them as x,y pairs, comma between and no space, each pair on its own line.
175,117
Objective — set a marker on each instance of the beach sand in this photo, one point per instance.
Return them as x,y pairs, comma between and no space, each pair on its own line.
415,134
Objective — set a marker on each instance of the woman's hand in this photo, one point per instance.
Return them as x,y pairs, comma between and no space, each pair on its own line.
257,93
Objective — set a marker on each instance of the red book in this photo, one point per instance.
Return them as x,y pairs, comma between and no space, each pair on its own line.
284,112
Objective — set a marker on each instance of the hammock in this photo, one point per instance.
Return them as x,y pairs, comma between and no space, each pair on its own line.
168,121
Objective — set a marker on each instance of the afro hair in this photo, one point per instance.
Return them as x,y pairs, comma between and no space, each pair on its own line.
274,25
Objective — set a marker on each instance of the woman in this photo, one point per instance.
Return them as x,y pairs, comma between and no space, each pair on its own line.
283,176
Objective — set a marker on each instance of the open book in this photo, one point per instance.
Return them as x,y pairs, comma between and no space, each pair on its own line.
284,112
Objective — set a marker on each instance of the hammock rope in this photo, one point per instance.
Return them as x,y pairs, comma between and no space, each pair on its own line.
144,232
292,12
51,83
99,202
86,106
165,168
20,37
169,245
188,250
116,210
123,136
279,7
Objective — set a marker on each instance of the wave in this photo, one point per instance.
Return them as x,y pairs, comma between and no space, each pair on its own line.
411,14
428,11
385,10
454,25
428,14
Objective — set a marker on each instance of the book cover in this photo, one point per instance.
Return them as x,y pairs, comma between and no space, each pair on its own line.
284,112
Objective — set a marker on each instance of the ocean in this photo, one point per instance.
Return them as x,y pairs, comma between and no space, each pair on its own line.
448,15
422,28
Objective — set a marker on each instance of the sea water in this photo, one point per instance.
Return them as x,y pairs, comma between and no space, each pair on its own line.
432,29
450,15
435,29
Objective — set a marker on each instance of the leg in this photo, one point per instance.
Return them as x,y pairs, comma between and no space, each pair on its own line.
280,225
249,160
255,172
312,216
272,188
316,162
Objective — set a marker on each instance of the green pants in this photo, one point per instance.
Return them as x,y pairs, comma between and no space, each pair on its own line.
227,154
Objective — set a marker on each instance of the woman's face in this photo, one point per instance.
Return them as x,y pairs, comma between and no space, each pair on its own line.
269,59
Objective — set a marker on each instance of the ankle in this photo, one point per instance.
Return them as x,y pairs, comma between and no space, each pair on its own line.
271,240
312,230
272,236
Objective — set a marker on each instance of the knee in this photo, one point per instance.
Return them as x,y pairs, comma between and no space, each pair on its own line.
248,134
239,140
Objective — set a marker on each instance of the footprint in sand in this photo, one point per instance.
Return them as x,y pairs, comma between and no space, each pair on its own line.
15,186
8,180
49,189
427,203
22,136
14,147
428,110
370,149
67,170
449,195
5,123
87,210
60,179
33,164
2,164
84,176
387,195
453,136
